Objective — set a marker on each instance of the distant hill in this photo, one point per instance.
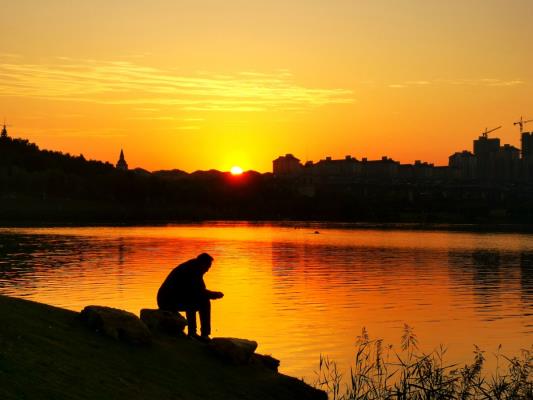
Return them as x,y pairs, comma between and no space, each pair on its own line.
170,174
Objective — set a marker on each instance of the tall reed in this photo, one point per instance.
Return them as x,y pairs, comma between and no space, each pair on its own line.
381,372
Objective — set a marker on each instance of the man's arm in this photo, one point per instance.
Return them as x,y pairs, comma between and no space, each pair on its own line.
214,295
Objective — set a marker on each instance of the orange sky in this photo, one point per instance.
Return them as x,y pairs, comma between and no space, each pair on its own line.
211,84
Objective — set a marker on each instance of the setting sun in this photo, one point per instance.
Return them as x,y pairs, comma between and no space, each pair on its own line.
236,170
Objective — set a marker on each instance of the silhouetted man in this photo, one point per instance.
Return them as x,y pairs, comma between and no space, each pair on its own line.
184,290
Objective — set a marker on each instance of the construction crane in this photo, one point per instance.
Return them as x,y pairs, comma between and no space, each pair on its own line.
486,132
521,123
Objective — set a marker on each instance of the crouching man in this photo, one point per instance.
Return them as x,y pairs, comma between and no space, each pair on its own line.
184,290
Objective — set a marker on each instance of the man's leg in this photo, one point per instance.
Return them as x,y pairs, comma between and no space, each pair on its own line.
204,309
191,321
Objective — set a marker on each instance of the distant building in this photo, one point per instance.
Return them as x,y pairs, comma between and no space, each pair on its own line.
527,155
347,168
441,172
527,145
423,170
484,146
419,171
489,163
122,164
342,171
286,165
386,168
507,163
463,165
485,150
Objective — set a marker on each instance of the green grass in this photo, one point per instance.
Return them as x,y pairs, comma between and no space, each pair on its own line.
381,373
46,353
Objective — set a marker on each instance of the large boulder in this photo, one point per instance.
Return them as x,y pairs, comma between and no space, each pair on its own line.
236,351
162,321
265,361
118,324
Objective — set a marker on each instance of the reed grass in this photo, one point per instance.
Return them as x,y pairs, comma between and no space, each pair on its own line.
379,371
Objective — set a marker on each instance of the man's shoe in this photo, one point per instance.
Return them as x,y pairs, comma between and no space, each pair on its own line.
203,338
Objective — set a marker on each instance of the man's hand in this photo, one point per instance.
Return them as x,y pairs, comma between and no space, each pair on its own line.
217,295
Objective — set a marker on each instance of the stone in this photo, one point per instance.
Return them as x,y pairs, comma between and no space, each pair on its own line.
304,391
167,322
118,324
265,361
236,351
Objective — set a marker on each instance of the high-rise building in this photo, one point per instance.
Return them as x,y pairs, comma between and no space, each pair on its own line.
484,146
485,150
527,155
507,163
527,145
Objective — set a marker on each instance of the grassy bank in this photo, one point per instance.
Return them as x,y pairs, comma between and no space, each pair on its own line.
46,353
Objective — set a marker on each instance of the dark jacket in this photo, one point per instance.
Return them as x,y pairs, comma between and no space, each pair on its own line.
184,287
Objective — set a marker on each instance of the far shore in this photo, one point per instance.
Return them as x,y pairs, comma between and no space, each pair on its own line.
297,224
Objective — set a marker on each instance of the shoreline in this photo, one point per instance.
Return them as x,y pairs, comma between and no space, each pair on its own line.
311,224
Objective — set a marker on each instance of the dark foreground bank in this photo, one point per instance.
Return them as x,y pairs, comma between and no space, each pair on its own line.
47,353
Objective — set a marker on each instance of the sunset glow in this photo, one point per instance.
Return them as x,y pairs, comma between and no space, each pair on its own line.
266,199
182,82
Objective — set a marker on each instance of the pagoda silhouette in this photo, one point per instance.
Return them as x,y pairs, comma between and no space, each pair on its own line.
121,163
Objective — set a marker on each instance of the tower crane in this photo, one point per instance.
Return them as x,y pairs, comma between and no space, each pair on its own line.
521,123
486,132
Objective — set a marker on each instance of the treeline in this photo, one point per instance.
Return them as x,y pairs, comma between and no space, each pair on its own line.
40,186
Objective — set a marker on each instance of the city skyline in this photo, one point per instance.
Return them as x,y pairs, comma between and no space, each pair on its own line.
121,163
212,84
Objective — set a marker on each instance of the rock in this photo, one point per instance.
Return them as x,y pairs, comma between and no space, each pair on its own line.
162,321
236,351
300,390
265,361
118,324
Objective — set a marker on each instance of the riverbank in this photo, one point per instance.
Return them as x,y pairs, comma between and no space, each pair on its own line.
46,352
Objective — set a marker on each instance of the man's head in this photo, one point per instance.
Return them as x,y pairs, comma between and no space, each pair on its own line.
205,260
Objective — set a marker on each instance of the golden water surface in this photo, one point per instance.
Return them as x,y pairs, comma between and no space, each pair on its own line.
299,290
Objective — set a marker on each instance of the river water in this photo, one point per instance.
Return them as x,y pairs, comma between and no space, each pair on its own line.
300,290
